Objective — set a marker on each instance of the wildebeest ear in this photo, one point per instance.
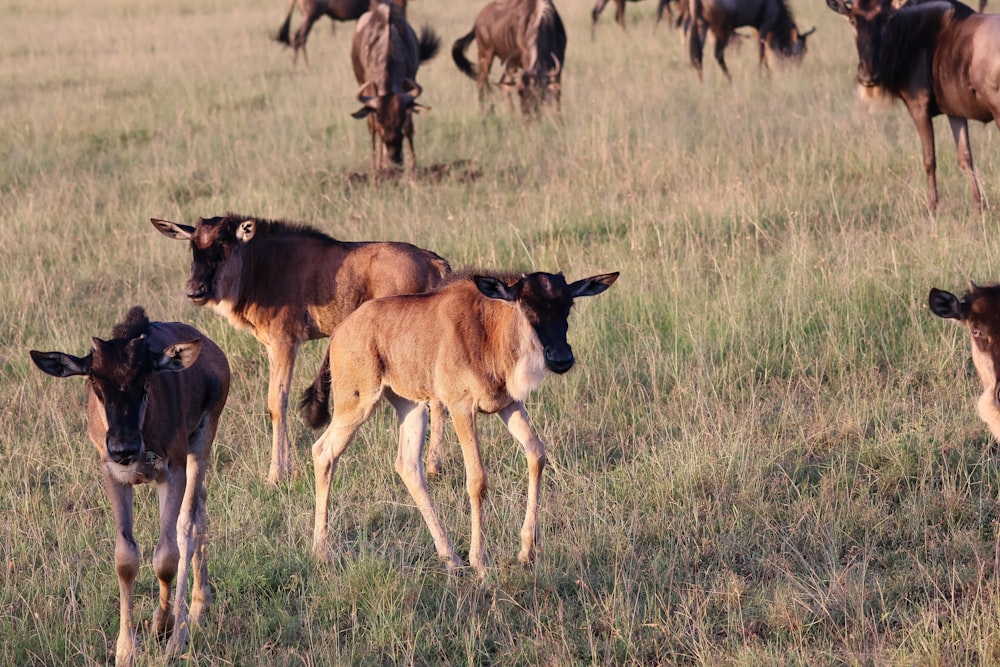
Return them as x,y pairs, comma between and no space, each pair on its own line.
593,285
419,108
945,304
178,356
245,230
496,289
173,230
60,364
362,112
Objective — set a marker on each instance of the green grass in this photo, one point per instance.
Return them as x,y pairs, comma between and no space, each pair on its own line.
767,453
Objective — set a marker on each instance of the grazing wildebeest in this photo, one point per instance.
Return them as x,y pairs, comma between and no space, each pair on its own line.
386,54
150,424
291,283
938,57
478,344
771,20
979,312
526,35
312,11
661,7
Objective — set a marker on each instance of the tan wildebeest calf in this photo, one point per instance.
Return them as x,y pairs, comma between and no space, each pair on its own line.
477,344
155,394
979,312
291,283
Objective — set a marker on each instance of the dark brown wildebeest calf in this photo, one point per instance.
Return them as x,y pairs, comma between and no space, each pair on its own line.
771,20
528,37
478,344
979,312
291,283
386,54
939,57
150,424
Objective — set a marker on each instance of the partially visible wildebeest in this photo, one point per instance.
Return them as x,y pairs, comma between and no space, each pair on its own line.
939,57
291,283
528,37
155,393
312,11
480,343
979,312
771,20
386,54
661,7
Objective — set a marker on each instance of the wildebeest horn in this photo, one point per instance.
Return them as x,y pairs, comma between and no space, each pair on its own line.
558,66
807,33
413,88
366,99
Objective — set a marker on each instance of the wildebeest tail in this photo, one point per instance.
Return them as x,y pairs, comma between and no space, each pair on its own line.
429,43
286,27
458,54
315,405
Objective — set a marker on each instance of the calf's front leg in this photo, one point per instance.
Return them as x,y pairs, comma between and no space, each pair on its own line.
127,561
515,418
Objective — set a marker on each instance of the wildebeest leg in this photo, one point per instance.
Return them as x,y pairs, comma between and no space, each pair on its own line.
350,410
464,421
190,541
281,354
696,46
596,12
663,6
412,427
720,52
170,493
515,418
922,119
960,130
301,36
483,82
437,417
620,13
127,561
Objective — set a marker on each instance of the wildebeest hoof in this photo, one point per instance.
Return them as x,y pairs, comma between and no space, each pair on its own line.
163,622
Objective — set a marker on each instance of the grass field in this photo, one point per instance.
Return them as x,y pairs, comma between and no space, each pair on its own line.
767,453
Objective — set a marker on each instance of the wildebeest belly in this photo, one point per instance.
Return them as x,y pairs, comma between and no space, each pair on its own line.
966,69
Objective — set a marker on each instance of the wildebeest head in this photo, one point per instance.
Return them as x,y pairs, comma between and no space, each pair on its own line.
119,371
979,312
545,299
212,242
535,87
391,115
795,48
867,19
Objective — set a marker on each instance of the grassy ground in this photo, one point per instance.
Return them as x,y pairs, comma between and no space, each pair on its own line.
768,451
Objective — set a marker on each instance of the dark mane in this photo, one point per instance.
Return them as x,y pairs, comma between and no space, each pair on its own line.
277,229
134,325
909,32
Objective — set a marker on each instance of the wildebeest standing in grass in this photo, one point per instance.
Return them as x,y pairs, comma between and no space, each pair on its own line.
771,20
661,7
155,393
528,37
939,57
291,283
479,343
386,53
979,312
314,10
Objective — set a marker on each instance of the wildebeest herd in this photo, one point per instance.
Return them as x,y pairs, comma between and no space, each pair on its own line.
402,324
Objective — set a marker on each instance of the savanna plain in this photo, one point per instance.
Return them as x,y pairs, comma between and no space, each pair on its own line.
767,453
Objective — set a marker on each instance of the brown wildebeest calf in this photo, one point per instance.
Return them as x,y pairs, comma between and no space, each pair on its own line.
291,283
477,344
153,425
979,312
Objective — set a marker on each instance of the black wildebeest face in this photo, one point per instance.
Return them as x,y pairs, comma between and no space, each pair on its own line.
119,371
979,312
391,116
546,301
212,242
867,18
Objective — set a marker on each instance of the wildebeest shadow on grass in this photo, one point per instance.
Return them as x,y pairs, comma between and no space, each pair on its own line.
462,171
